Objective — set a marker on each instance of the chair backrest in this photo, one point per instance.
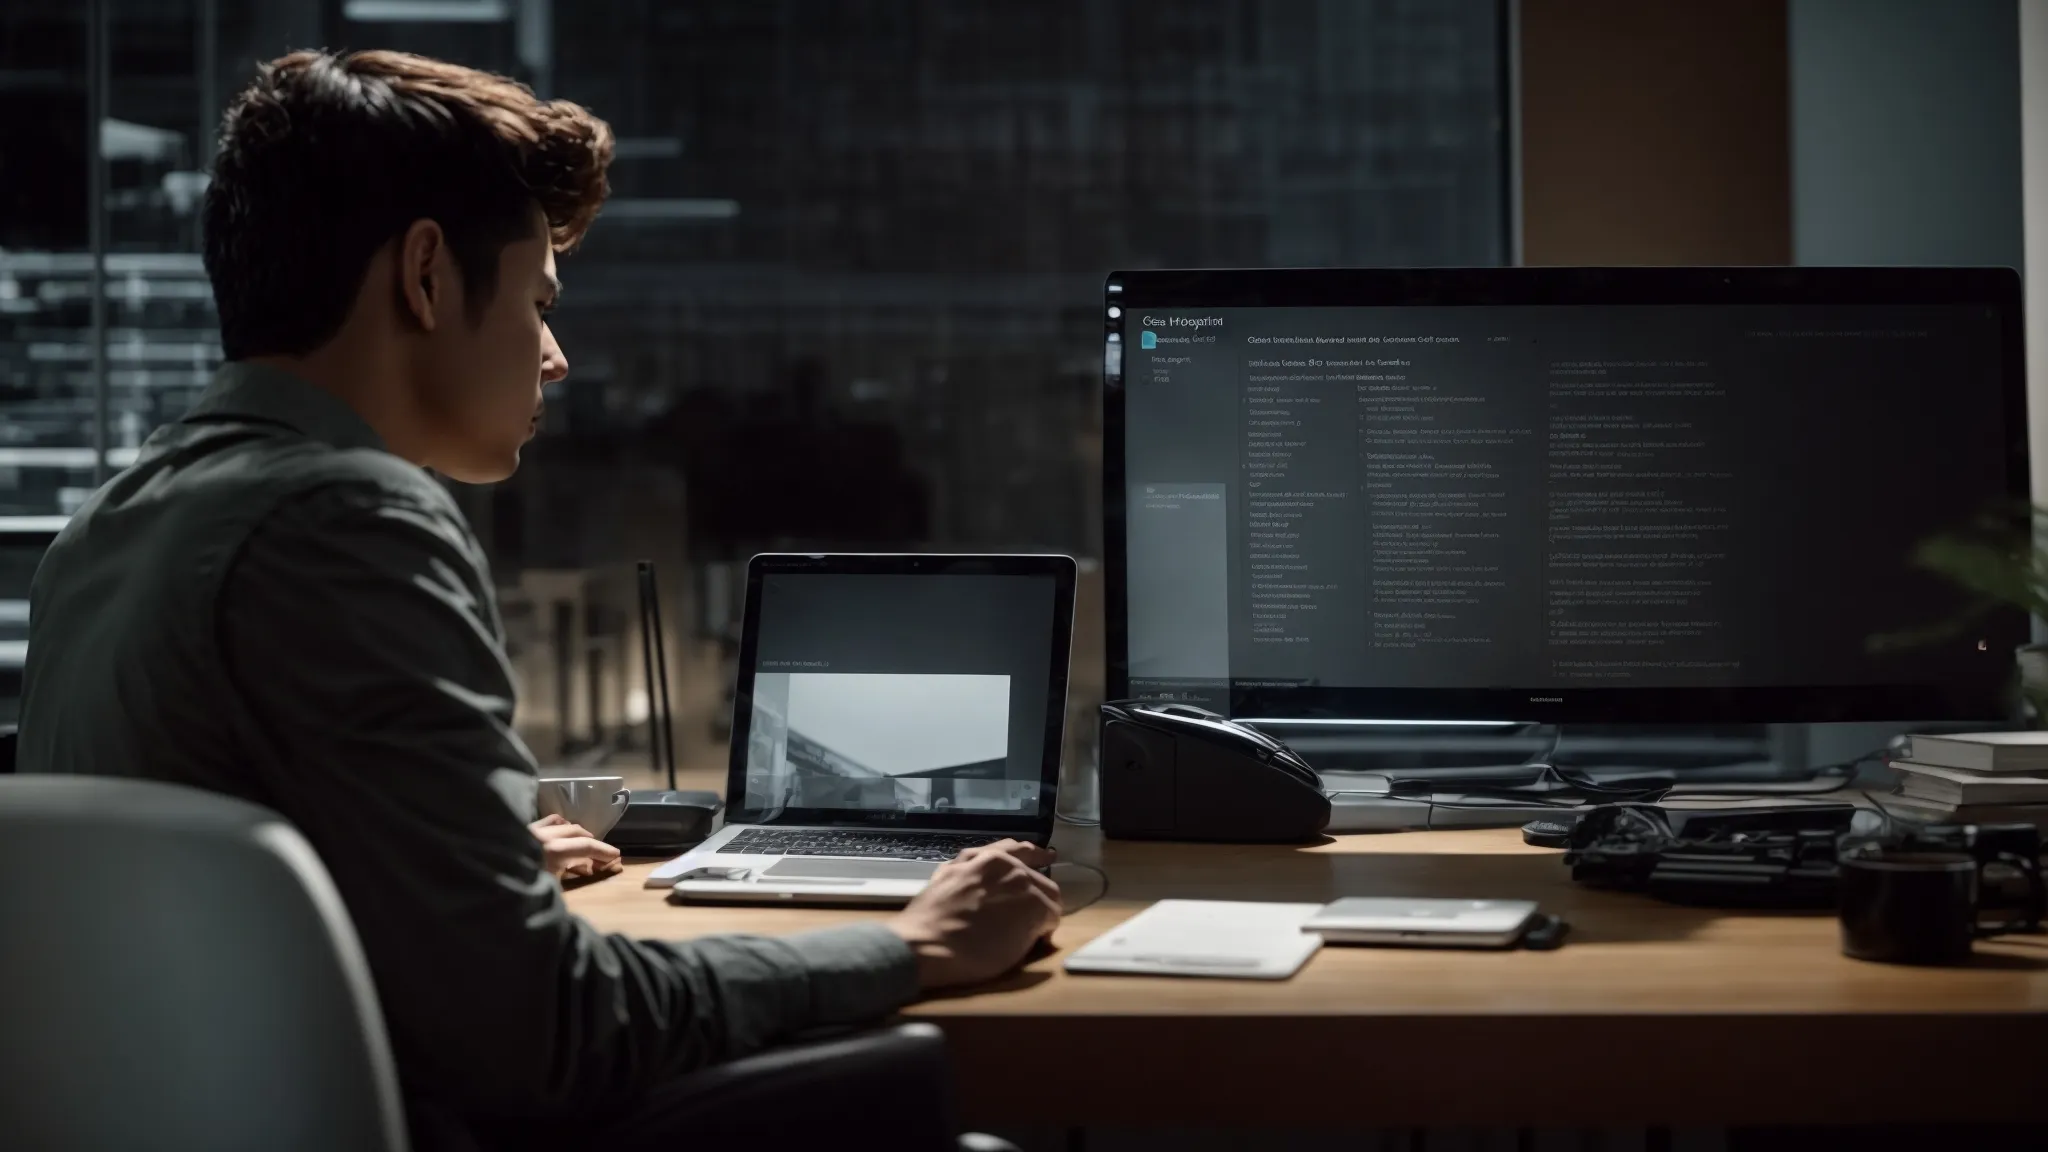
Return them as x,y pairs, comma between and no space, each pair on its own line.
178,971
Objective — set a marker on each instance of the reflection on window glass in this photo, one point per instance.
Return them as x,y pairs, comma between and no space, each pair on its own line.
158,319
46,416
848,288
845,294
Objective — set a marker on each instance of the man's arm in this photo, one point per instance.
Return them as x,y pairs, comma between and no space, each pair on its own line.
359,628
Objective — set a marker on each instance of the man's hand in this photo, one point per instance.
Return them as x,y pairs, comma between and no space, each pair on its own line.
569,850
981,914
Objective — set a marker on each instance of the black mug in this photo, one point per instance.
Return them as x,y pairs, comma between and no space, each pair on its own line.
1917,901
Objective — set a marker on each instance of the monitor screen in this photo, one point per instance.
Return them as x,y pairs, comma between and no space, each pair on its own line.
1538,494
900,694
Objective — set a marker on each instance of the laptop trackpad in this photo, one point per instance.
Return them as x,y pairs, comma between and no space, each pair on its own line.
797,867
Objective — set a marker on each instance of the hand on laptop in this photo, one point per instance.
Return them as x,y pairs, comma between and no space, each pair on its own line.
981,914
569,850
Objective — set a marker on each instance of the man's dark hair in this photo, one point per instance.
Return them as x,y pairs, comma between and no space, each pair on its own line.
328,157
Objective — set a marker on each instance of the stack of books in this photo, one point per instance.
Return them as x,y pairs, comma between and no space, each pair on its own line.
1973,778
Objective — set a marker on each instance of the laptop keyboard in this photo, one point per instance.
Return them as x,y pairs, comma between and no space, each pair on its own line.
834,842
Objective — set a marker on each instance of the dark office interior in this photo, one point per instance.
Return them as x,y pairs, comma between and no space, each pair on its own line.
893,277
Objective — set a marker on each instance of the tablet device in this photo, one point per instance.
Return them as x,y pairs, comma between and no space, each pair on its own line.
1423,923
1239,939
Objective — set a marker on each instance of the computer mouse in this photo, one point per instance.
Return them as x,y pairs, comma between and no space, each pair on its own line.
1546,932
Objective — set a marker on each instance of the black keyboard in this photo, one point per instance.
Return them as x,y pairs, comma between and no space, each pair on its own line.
849,842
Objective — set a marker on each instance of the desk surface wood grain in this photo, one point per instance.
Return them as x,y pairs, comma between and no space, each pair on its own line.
1651,1013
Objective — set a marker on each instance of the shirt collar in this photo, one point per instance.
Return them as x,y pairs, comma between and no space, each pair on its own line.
244,391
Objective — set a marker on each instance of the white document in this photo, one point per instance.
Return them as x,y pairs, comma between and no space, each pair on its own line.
1234,938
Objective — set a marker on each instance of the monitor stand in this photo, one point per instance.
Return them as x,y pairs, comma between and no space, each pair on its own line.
1356,805
1363,812
1445,799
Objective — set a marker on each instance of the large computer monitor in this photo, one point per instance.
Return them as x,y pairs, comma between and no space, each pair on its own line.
1551,495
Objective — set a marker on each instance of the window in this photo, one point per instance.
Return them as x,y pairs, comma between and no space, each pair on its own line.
844,294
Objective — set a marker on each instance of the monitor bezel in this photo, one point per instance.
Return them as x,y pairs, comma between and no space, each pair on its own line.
1035,826
1984,699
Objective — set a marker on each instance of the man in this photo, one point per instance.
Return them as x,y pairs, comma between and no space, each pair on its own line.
279,602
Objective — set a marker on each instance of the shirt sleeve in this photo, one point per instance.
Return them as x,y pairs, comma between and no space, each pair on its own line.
359,626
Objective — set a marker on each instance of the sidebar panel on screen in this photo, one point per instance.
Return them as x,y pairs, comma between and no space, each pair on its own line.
1181,508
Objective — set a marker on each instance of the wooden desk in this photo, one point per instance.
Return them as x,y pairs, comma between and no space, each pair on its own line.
1651,1014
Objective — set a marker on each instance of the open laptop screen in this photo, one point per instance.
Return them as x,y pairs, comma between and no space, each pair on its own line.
930,694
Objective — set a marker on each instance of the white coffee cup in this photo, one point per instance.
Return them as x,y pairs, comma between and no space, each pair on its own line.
595,802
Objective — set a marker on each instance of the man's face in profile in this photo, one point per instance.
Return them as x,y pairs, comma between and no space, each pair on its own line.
486,378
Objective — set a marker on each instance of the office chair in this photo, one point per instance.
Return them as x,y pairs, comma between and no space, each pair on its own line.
887,1088
181,974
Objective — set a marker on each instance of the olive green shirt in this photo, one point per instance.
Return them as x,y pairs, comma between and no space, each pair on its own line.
269,604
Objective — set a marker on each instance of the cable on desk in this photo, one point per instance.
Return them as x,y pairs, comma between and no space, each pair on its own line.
1589,791
1842,783
1845,770
1100,874
1429,816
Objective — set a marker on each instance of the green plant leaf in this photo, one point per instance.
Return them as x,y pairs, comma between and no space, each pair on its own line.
1998,559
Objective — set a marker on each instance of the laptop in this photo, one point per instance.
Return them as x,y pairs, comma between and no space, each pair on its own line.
888,713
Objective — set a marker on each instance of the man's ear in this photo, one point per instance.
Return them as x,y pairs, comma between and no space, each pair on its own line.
426,284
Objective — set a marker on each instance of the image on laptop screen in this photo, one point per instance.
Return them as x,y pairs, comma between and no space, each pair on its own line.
900,693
